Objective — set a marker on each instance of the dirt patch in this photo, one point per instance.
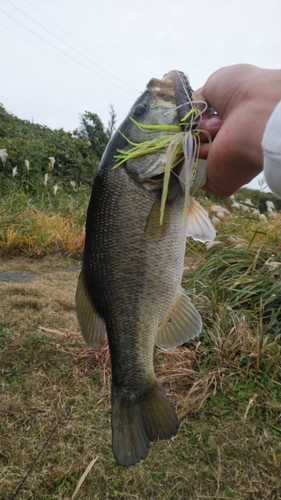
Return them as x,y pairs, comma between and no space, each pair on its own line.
16,277
22,270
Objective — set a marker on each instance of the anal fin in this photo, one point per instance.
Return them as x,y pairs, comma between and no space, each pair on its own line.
181,323
91,323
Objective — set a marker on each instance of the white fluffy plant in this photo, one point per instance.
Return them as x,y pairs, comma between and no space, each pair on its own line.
3,155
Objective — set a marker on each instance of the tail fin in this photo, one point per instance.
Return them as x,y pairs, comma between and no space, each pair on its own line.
137,419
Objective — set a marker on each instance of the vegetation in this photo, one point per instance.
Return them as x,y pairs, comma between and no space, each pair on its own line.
35,151
257,197
55,401
93,131
45,183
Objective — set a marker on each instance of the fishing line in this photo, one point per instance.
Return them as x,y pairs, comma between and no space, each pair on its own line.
85,47
63,62
68,45
32,465
65,53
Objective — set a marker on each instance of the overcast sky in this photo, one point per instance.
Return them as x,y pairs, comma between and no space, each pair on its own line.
60,58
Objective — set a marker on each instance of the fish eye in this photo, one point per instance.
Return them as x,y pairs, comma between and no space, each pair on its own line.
140,110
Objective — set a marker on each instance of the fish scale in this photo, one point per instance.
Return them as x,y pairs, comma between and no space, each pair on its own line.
130,283
125,259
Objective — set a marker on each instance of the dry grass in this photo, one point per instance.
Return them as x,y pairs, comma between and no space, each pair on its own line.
37,233
226,386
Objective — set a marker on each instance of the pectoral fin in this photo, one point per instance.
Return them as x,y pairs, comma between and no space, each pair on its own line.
91,323
181,323
199,226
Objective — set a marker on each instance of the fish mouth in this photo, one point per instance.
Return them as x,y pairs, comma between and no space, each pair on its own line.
175,87
179,115
157,181
183,95
176,170
186,100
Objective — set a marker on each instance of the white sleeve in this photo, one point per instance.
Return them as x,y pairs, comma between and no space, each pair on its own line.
271,144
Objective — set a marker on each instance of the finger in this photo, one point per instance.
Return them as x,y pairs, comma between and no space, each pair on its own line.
204,150
211,123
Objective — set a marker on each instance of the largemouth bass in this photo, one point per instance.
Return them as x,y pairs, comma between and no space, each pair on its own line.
130,283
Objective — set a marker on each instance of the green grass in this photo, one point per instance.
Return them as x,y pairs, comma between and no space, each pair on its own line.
225,386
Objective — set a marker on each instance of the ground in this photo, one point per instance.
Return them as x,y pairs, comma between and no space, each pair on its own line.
55,406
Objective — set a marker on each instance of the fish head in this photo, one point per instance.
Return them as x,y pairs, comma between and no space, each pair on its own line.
155,118
152,114
157,144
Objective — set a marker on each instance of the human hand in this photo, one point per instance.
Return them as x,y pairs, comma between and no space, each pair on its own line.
243,96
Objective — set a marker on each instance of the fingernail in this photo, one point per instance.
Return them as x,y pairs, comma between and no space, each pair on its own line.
213,121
